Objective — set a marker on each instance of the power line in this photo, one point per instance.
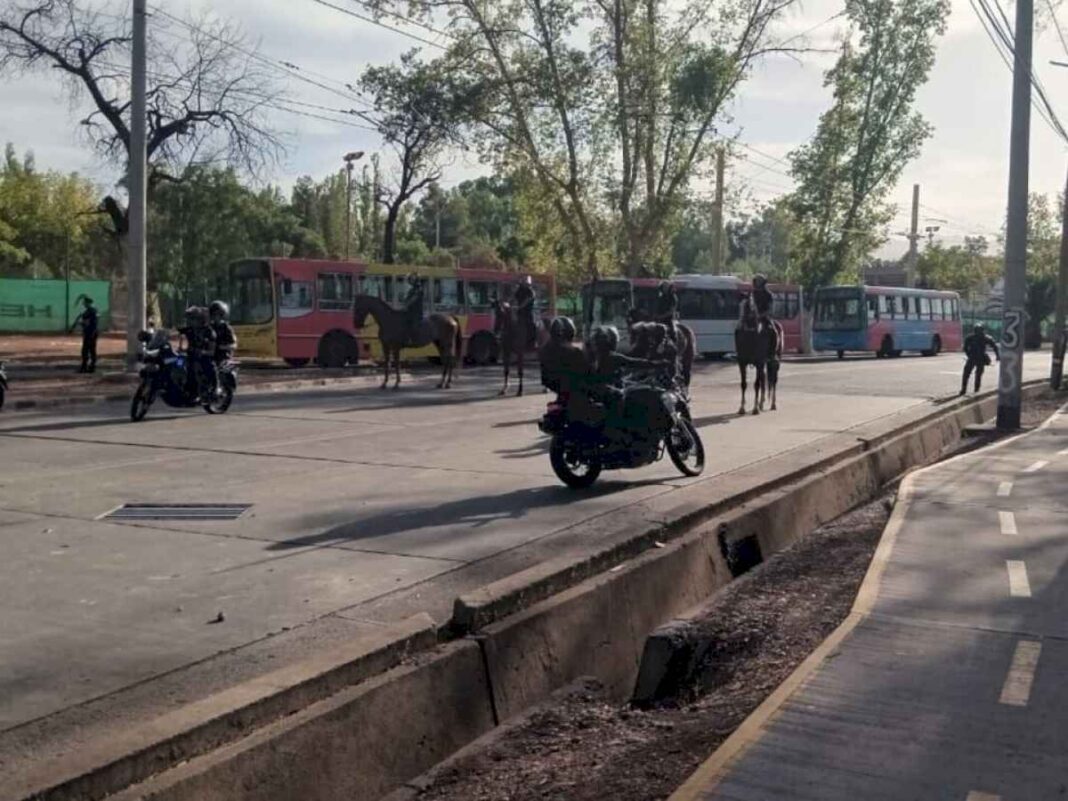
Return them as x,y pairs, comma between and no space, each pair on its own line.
379,23
1057,25
418,23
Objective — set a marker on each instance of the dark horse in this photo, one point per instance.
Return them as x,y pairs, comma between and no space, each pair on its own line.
513,335
443,330
687,342
758,345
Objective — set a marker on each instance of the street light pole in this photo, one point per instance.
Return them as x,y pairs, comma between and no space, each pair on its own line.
135,242
1011,374
349,158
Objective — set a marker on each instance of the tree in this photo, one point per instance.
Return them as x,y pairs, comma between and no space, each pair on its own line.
418,105
610,133
764,243
865,139
206,100
965,269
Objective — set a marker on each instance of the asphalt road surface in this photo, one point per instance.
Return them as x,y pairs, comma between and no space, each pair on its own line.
365,507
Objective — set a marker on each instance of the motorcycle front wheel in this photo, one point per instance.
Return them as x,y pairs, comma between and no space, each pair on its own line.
221,402
142,399
685,448
569,468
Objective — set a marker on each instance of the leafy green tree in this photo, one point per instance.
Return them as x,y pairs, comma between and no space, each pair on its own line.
868,135
965,269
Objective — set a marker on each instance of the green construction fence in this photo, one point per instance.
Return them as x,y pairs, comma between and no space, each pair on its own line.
49,306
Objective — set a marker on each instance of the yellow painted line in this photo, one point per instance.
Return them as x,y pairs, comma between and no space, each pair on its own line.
1034,468
1004,489
713,770
1017,688
975,795
1008,524
1019,584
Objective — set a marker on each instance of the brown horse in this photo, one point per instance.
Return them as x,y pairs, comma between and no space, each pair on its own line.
760,346
513,336
687,342
443,330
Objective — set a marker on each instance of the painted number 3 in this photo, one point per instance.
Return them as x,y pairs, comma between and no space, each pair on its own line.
1010,339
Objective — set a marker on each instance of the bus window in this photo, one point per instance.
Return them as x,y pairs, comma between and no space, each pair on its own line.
645,299
956,308
925,308
480,295
295,298
378,286
897,307
838,310
792,305
873,309
541,298
335,291
448,294
251,299
941,309
884,306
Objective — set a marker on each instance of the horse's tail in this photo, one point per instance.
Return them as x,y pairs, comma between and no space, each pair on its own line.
458,353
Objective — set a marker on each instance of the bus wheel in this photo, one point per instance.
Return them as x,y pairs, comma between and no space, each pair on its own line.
936,347
887,348
482,348
336,349
841,354
297,362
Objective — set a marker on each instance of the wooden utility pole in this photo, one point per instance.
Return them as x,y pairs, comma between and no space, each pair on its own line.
135,240
717,215
1059,336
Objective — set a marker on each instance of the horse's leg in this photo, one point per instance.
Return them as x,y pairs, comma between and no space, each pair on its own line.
742,367
519,369
386,350
773,385
506,357
759,383
396,367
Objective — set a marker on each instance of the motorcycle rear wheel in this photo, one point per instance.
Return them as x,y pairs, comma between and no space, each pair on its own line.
142,399
221,402
571,472
685,448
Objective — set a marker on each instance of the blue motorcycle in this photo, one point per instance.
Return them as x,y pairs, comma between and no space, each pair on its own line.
170,375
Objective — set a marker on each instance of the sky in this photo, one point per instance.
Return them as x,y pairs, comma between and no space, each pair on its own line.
962,172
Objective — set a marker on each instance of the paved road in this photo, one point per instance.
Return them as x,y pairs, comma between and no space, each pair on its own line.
953,687
366,506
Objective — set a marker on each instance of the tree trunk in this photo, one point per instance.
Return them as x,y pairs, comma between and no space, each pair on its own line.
389,237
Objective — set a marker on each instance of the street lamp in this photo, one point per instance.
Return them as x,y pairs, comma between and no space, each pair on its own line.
349,158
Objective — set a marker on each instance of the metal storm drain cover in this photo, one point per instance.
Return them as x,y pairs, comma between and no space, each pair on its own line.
178,511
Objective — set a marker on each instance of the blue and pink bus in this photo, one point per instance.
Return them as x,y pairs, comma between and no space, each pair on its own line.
885,320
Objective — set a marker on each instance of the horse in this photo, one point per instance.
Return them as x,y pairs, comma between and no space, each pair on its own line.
513,336
687,342
444,330
758,345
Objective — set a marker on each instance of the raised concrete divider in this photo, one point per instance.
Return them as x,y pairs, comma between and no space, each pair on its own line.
585,614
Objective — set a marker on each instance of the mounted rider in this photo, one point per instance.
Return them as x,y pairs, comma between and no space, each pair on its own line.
667,308
524,298
414,306
758,303
563,364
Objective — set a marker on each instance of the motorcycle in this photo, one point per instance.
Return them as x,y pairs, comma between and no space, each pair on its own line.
168,374
3,384
650,419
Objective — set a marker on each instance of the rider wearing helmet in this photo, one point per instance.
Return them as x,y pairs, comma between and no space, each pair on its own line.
414,302
606,371
200,343
563,366
225,339
761,301
667,306
524,306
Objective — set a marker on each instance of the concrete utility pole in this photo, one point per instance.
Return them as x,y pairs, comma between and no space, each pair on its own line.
349,158
1016,228
1057,368
717,215
135,241
914,238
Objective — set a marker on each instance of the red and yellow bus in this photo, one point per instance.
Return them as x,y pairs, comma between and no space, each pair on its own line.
300,310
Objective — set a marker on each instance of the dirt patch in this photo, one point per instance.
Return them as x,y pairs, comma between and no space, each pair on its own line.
583,748
1038,409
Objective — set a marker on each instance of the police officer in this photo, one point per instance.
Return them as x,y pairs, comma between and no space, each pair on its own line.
225,338
524,308
975,345
90,323
667,306
414,303
200,341
563,365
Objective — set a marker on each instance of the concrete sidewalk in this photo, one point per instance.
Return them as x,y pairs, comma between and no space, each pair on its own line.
947,680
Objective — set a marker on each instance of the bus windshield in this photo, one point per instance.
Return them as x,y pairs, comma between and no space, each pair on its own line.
837,309
251,295
606,302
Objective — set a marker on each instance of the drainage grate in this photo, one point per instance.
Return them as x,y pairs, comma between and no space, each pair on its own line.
178,511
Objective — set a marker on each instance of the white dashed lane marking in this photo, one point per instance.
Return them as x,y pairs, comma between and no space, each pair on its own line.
1017,688
1036,466
1004,489
1008,523
1019,584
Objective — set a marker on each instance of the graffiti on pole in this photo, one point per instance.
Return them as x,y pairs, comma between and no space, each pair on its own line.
1009,377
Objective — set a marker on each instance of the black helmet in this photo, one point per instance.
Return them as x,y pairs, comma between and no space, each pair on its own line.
606,336
413,279
220,309
979,328
562,329
760,280
196,315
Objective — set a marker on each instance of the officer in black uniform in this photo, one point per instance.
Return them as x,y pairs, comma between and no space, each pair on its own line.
524,308
414,303
90,323
975,345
